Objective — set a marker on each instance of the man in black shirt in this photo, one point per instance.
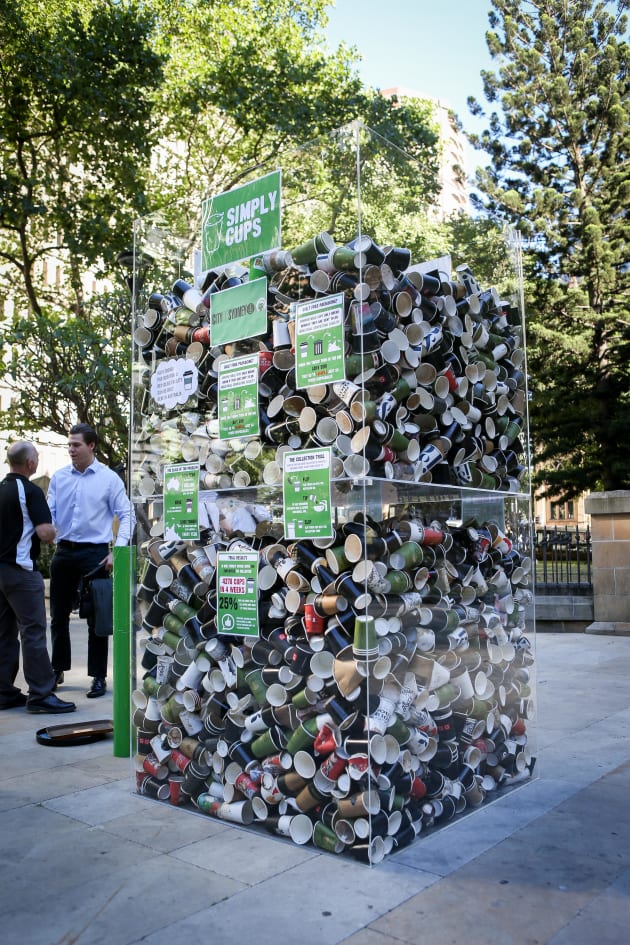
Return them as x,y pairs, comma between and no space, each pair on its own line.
24,520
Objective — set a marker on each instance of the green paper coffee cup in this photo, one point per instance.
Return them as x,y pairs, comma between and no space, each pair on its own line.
171,639
344,257
398,442
408,555
267,743
326,839
302,737
399,581
171,710
365,640
400,731
256,685
150,686
304,698
307,253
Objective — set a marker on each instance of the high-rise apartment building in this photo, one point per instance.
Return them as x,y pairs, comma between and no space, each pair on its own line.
453,196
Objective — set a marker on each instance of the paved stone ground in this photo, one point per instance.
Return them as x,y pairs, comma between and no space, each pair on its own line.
85,860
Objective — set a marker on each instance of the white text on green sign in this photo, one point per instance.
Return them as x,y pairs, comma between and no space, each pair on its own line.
237,592
181,501
242,222
307,494
319,341
239,312
238,397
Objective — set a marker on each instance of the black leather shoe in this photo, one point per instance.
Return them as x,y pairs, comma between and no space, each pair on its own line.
50,704
14,702
98,688
59,677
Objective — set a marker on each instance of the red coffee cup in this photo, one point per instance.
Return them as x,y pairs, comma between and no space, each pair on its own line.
246,785
418,789
175,788
333,766
179,759
325,741
265,360
314,624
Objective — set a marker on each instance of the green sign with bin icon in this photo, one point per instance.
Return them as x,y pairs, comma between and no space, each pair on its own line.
319,341
238,397
307,495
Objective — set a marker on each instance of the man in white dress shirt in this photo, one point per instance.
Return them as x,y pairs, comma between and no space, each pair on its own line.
84,499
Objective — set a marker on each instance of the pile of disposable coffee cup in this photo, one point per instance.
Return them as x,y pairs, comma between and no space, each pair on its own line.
435,388
389,688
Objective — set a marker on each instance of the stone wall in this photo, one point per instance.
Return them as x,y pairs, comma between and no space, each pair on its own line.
610,534
563,613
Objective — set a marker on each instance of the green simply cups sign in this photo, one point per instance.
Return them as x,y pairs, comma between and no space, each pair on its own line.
241,222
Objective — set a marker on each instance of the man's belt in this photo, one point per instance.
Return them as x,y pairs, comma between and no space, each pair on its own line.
64,543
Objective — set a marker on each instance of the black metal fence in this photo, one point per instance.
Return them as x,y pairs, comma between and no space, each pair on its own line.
563,560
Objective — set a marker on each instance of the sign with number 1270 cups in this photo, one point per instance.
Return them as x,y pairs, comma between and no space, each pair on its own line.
237,593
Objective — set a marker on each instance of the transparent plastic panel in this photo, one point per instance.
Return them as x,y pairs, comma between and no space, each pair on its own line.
329,469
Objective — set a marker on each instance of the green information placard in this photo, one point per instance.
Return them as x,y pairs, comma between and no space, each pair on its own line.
307,496
237,593
181,501
241,222
239,312
319,341
238,397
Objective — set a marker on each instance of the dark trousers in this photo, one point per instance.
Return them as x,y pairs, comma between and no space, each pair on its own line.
23,620
66,569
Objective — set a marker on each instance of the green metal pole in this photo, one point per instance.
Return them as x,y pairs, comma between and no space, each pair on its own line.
122,651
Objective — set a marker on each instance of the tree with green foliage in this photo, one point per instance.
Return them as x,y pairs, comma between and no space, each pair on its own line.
560,172
481,243
251,87
114,109
76,78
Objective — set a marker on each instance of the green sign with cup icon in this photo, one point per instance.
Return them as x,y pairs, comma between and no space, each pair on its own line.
241,222
307,495
237,593
238,397
319,341
181,501
239,312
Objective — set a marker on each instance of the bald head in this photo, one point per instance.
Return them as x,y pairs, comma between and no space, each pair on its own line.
22,458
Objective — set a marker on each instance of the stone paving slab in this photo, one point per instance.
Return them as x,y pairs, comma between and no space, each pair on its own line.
247,857
535,885
162,828
603,921
85,860
125,904
95,805
324,899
